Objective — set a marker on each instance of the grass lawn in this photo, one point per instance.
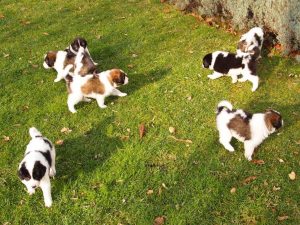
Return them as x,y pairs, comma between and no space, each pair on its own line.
104,169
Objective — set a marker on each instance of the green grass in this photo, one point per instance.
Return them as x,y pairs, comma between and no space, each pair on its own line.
102,175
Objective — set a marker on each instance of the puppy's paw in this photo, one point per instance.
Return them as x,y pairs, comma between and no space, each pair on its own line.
48,203
122,94
248,157
234,81
103,106
87,100
211,76
253,89
57,80
52,172
31,191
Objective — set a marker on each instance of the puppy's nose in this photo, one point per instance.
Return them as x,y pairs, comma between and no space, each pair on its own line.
34,186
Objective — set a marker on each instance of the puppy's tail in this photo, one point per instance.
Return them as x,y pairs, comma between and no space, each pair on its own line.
34,132
224,104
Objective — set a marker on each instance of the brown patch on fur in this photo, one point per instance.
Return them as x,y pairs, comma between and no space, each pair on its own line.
272,119
51,58
240,126
115,76
93,85
242,45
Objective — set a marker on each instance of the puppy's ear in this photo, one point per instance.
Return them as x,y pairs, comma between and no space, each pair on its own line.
50,58
82,42
23,173
207,60
39,171
117,76
242,45
273,119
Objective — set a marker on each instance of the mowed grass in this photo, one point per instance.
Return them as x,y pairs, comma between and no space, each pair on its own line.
104,169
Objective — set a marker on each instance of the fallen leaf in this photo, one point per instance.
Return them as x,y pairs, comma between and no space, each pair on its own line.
142,130
281,218
59,142
292,175
150,192
233,190
130,66
182,140
34,66
25,22
2,16
189,98
159,220
258,161
278,47
5,55
45,33
134,55
276,188
98,36
164,186
65,130
191,51
6,138
172,130
281,160
249,179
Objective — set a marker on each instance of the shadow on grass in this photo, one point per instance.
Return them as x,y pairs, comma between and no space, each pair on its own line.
86,153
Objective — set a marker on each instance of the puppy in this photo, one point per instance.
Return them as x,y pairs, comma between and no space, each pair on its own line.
38,165
66,62
251,42
79,45
251,129
97,86
233,65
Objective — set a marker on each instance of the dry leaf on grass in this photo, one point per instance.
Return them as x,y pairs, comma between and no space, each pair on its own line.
276,188
159,220
249,180
6,138
182,140
282,218
150,192
59,142
34,65
45,33
5,55
172,130
258,161
281,160
2,16
292,175
130,66
233,190
25,22
134,55
65,130
142,130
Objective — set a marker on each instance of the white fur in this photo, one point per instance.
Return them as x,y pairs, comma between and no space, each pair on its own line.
76,95
62,71
31,156
259,130
249,38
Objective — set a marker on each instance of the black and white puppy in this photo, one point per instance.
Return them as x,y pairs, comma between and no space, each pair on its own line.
249,128
66,62
97,86
225,63
79,45
251,42
38,165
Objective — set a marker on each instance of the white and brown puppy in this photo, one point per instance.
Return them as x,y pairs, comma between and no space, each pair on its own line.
225,63
38,165
251,42
79,45
97,86
66,62
251,129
